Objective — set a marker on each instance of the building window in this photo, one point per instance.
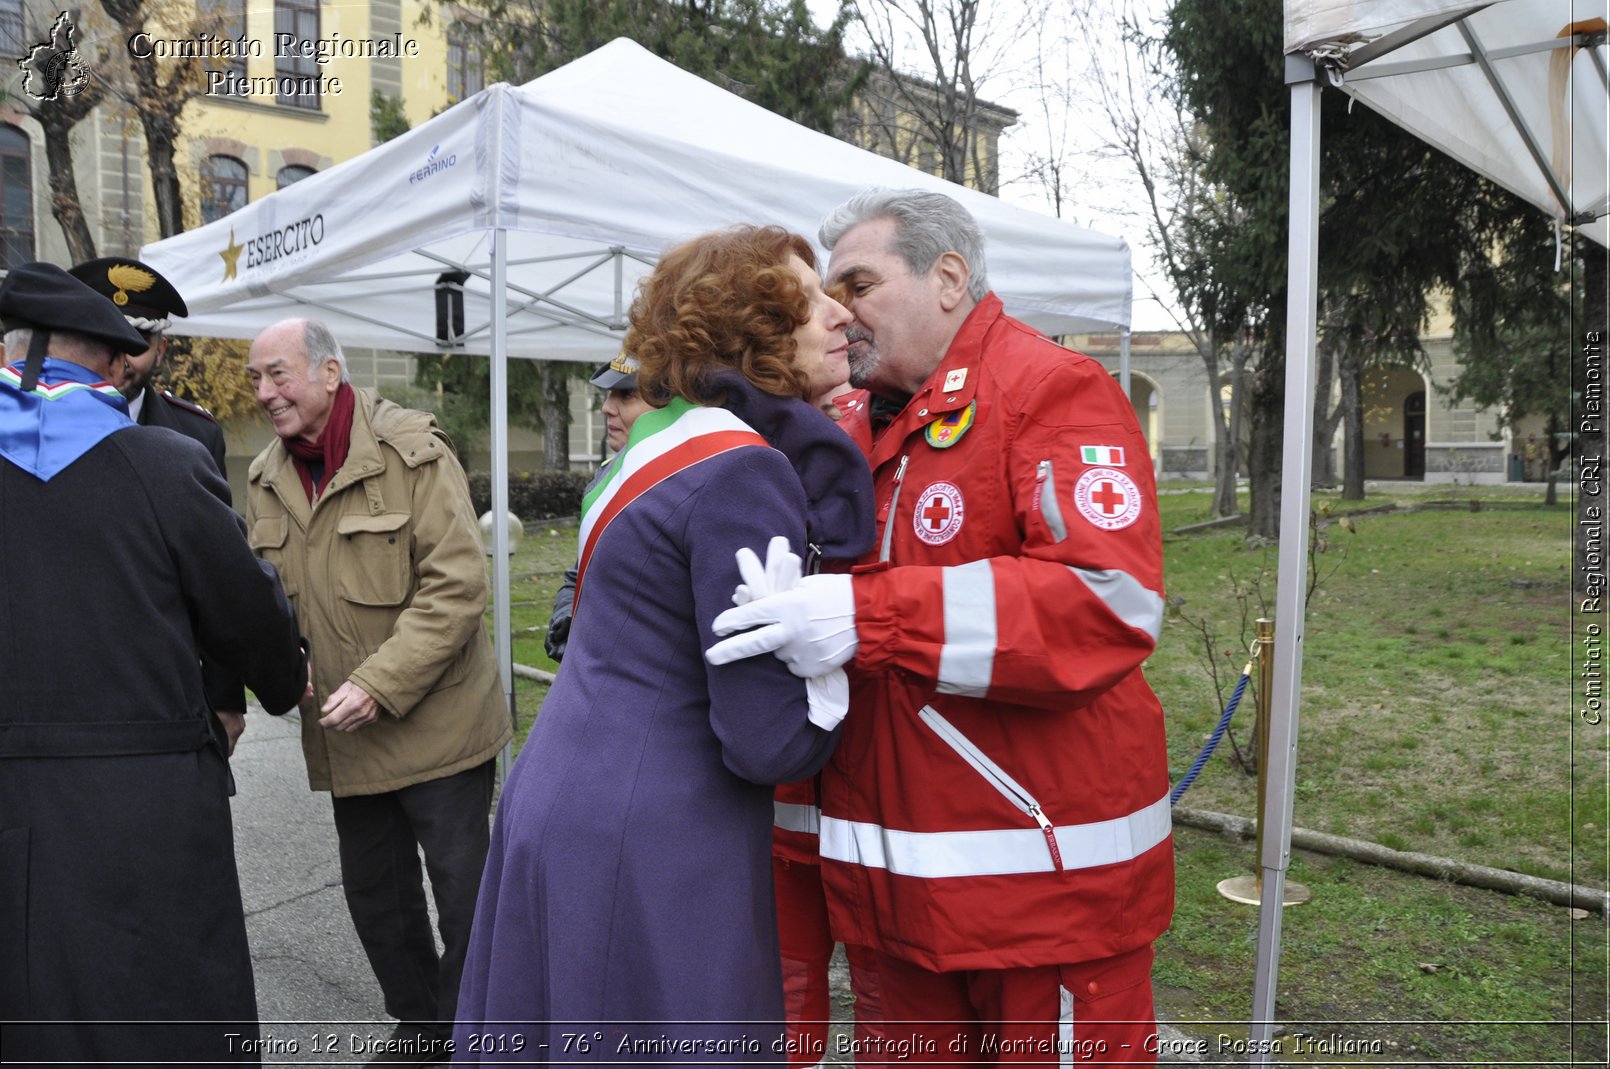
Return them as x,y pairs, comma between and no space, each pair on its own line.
223,187
16,199
297,75
226,76
466,74
11,28
292,173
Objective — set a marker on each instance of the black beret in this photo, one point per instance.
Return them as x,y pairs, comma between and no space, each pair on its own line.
46,298
138,290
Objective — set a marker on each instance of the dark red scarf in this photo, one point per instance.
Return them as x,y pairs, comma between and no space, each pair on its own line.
332,445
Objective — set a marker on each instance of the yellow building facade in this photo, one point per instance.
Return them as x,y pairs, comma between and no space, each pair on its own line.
278,89
1413,430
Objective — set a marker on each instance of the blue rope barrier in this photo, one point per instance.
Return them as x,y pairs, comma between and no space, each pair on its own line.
1213,740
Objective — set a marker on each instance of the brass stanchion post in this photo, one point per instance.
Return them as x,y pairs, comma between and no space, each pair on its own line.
1249,889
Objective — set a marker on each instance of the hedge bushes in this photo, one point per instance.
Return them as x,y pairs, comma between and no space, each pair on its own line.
534,495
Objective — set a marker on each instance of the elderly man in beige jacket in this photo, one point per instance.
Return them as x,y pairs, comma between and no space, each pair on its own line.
363,507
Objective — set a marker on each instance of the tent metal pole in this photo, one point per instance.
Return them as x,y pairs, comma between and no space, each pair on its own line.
1598,63
1457,59
620,286
1409,34
1515,118
1302,313
1123,364
502,626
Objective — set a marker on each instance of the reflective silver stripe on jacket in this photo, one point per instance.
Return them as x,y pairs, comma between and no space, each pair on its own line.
791,816
967,658
941,854
1126,598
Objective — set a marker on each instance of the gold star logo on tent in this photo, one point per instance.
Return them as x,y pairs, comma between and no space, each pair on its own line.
231,255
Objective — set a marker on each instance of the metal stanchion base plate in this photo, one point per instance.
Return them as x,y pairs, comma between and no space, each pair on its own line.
1247,890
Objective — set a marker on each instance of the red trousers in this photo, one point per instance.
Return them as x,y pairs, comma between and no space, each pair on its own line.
807,946
1092,1012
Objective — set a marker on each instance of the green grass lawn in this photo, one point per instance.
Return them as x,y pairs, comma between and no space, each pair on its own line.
1436,712
1437,716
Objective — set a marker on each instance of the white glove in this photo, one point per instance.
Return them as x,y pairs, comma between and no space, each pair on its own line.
780,572
828,695
810,628
829,698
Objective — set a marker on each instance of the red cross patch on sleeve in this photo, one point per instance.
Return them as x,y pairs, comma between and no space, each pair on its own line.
1108,498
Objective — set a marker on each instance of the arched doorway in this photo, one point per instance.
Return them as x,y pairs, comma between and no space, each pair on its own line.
1148,402
1395,429
1414,435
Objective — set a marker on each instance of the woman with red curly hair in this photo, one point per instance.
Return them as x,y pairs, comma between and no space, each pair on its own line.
630,872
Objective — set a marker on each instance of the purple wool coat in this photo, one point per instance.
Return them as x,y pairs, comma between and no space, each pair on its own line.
627,913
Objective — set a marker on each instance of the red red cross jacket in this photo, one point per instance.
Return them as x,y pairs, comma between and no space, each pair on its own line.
999,796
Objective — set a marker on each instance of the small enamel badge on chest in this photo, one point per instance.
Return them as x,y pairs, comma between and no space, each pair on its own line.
948,429
955,379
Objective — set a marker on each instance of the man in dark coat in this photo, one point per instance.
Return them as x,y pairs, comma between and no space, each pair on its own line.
122,936
149,302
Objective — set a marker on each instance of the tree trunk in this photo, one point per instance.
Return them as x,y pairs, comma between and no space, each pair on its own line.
1224,502
1323,465
555,416
1264,457
161,134
1590,349
57,119
1556,460
1352,375
1224,457
158,106
1226,491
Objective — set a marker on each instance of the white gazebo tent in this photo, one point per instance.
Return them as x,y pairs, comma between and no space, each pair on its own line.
518,223
1516,90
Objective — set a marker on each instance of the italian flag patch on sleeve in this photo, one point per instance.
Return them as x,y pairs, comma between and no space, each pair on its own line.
1111,456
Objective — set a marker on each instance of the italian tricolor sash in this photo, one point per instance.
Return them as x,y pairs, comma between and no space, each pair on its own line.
663,442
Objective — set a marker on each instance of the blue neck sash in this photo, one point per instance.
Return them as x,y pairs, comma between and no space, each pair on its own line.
63,417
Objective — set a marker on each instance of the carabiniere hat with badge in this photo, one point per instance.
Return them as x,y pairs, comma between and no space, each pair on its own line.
44,298
619,374
140,292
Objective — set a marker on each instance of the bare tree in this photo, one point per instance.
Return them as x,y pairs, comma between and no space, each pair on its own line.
1049,163
1184,216
58,112
57,118
924,104
157,100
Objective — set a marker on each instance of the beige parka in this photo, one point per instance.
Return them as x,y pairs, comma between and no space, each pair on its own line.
388,576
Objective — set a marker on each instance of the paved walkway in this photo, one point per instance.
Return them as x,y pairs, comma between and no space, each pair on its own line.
313,981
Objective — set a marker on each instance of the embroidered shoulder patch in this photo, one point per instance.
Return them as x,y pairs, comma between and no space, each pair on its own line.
1108,498
938,517
948,429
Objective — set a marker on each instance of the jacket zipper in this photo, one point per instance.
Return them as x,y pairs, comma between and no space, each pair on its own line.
888,515
995,775
1045,499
